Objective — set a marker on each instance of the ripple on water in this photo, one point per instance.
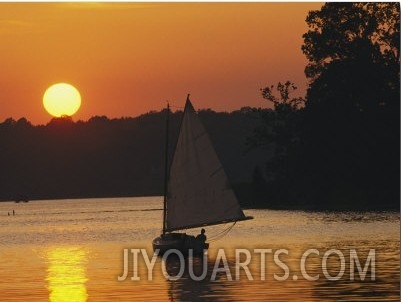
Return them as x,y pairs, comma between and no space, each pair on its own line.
76,246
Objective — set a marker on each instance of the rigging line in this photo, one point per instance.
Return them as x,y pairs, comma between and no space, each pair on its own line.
216,235
215,232
222,234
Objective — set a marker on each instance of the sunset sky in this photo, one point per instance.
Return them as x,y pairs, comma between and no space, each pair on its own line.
129,58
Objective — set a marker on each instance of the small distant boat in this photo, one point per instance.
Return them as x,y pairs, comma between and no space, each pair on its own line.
197,191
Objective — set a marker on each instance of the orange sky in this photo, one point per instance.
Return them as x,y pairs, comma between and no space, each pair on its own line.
129,58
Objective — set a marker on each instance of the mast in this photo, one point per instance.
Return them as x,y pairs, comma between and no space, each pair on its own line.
166,171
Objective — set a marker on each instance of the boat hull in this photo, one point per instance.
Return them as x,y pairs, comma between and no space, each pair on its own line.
179,241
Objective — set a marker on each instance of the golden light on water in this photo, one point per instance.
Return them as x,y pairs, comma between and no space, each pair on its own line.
66,274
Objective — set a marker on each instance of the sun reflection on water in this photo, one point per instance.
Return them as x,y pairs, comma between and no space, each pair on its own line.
66,274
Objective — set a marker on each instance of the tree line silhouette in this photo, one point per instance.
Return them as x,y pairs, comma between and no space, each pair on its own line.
111,157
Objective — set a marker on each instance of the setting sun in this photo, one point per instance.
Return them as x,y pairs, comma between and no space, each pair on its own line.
61,99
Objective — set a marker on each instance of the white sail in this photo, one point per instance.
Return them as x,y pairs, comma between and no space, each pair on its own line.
198,189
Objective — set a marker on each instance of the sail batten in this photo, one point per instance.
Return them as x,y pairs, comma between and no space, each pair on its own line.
198,190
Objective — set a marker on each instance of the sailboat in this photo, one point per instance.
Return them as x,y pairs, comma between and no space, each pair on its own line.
197,192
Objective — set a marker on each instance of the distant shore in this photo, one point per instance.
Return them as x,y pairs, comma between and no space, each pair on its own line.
284,207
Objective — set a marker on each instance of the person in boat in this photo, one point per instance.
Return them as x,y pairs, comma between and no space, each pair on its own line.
201,237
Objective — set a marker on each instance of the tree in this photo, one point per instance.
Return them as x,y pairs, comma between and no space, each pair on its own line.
284,100
341,31
278,134
339,148
354,54
351,117
277,126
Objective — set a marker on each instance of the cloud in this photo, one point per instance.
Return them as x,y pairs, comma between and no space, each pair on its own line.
13,26
106,5
16,23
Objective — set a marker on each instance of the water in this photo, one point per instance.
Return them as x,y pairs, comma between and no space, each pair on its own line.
72,250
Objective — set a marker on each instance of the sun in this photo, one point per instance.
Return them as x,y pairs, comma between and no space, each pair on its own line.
61,99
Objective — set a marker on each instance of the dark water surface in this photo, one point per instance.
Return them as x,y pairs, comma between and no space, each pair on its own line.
72,250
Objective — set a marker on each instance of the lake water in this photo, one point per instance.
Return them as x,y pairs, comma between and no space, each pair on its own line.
73,250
